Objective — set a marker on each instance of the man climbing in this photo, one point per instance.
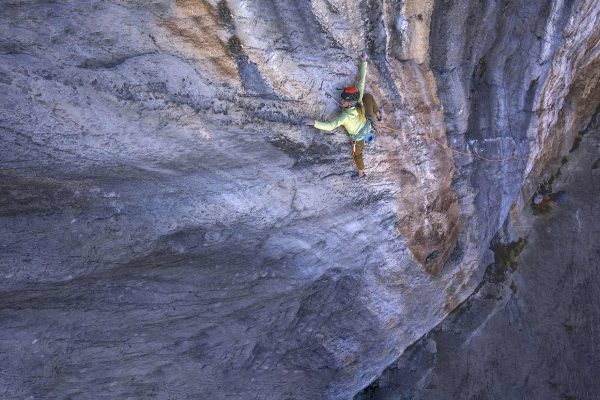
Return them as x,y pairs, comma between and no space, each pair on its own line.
544,198
359,111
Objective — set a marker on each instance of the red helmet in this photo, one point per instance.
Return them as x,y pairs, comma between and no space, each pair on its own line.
350,94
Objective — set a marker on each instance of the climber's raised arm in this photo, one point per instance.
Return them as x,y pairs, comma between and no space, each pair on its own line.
362,77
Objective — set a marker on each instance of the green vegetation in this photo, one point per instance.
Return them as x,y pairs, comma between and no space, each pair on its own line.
576,142
506,254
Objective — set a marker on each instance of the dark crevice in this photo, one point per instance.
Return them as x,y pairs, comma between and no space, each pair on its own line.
376,47
113,62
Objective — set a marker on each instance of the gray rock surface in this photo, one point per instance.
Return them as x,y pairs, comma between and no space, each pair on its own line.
530,331
169,230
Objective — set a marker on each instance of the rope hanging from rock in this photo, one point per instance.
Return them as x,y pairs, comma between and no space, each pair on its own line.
445,146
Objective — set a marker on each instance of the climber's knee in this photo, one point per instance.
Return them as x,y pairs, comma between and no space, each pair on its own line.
370,105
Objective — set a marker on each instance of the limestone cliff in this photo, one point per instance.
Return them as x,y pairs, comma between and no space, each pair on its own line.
170,230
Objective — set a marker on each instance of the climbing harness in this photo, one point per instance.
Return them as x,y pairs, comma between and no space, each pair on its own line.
364,132
370,137
462,153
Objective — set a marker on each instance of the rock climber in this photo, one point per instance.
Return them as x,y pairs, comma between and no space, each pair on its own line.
544,198
359,110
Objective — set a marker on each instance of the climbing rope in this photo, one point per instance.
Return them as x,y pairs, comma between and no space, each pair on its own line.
462,153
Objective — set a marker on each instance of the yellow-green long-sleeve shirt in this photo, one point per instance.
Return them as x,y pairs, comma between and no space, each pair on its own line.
350,118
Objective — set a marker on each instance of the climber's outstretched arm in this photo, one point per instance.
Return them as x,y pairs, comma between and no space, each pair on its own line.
330,125
325,125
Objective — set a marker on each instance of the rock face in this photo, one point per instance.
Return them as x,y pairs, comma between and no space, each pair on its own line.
530,330
169,229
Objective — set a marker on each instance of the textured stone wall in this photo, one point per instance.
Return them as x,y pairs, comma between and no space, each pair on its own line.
170,230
